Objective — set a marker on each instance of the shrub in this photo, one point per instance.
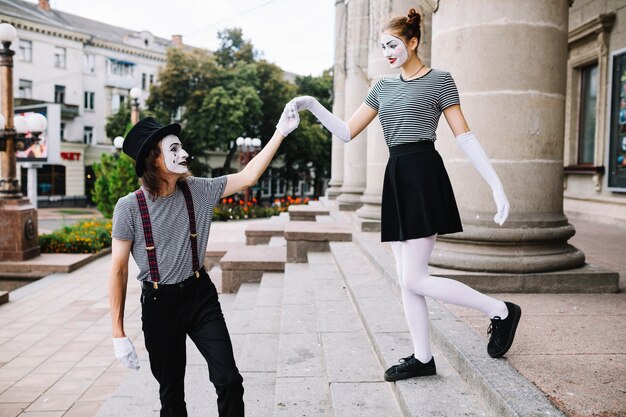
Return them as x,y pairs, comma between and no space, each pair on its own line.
84,237
235,208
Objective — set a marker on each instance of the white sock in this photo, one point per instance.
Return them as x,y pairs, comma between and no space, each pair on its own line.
412,262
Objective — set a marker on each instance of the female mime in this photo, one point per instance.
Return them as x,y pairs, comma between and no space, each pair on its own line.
418,202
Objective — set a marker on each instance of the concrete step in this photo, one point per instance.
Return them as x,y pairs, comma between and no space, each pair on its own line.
262,232
215,251
305,236
326,366
474,383
277,241
257,361
248,263
307,212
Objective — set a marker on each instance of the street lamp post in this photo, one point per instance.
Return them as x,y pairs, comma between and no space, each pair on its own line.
248,148
135,93
18,217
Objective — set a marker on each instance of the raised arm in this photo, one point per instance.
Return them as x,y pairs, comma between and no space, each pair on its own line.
477,156
249,176
118,280
345,131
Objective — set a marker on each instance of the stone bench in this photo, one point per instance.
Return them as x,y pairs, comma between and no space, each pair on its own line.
305,236
215,251
248,263
307,212
261,233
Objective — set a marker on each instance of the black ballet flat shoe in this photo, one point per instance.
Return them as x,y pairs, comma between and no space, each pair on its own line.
410,368
503,331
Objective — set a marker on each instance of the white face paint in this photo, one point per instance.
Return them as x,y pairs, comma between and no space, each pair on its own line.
394,50
174,155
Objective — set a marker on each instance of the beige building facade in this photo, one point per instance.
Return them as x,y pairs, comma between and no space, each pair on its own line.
595,122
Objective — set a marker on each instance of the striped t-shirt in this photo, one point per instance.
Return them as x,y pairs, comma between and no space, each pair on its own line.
170,227
409,111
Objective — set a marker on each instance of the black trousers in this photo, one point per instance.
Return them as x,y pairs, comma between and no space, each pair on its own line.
168,315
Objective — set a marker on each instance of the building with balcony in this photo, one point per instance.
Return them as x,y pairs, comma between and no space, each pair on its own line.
83,69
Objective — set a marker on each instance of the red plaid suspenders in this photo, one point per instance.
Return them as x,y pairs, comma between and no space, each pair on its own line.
147,232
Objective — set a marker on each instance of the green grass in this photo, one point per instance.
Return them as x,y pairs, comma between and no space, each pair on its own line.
73,211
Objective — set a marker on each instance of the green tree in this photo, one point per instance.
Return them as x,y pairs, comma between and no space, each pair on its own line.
118,124
115,177
234,48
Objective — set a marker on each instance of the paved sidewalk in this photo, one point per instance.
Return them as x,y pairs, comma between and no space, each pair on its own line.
56,355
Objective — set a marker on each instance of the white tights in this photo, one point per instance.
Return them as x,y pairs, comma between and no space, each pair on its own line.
412,264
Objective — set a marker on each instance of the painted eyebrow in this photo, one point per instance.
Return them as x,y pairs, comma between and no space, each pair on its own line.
174,144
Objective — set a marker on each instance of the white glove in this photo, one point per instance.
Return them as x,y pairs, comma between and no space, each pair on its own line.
468,143
125,352
289,120
335,125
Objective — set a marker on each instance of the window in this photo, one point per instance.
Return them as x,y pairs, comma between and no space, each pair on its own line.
151,79
62,132
89,64
89,100
25,52
122,68
88,135
122,100
617,150
51,180
587,115
59,94
143,81
26,89
59,57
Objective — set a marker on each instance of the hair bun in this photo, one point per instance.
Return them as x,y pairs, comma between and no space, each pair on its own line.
413,18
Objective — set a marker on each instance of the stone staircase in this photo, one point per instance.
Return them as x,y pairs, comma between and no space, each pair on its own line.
315,338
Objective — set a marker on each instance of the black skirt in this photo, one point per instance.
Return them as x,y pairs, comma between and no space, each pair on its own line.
418,200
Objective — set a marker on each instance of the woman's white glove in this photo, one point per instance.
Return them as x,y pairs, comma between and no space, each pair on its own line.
289,120
335,125
468,143
125,352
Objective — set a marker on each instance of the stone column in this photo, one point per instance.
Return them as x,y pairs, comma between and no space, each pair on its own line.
339,85
354,160
509,60
378,67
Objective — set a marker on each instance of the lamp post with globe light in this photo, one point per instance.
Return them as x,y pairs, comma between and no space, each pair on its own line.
248,148
135,94
18,217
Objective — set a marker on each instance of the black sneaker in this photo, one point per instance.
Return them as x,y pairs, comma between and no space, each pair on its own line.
409,368
503,331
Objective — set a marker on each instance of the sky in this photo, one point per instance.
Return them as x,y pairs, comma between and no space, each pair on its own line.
297,35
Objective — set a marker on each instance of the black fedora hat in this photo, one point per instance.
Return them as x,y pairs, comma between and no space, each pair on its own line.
139,139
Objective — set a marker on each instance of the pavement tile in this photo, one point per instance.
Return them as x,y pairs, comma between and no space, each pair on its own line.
98,393
308,397
84,409
69,386
38,380
12,410
54,367
337,316
42,414
364,399
298,319
21,394
300,355
265,320
350,358
259,353
582,385
53,402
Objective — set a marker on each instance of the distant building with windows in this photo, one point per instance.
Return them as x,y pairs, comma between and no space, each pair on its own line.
595,125
85,69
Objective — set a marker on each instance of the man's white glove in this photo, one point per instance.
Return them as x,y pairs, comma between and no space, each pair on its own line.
125,352
289,120
468,143
335,125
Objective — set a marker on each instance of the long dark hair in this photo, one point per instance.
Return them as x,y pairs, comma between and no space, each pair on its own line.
408,26
152,180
